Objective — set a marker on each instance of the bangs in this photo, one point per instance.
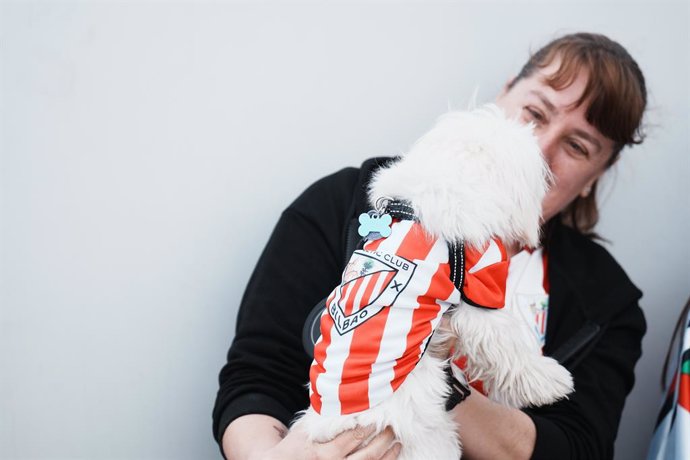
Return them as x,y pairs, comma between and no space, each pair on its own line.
615,102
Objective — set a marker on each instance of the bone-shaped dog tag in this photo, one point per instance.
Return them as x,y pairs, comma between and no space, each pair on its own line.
373,225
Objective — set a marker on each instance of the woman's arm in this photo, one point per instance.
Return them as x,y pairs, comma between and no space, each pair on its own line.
252,435
492,431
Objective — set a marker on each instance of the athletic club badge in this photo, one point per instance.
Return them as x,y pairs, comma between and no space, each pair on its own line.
371,281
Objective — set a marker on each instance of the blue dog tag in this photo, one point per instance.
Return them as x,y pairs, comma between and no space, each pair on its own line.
374,225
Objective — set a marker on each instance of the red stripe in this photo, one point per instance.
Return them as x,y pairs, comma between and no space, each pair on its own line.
440,288
387,280
353,294
486,286
320,355
343,293
366,297
461,362
540,321
366,340
545,260
320,350
417,243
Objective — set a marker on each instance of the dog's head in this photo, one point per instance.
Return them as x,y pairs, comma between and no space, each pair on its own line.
475,175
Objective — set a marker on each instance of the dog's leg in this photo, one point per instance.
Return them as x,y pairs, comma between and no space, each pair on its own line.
416,413
500,353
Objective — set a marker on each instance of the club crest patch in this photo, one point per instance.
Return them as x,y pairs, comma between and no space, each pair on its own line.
371,281
534,308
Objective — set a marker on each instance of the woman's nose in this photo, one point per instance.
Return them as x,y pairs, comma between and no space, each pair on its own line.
548,143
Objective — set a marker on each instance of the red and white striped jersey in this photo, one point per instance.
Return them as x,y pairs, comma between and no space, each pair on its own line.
378,321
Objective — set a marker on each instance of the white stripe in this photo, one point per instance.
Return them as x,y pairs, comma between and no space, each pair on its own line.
328,383
378,286
346,299
395,330
399,323
393,345
491,256
440,253
357,304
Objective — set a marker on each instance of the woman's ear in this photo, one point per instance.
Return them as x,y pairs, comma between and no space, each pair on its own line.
588,187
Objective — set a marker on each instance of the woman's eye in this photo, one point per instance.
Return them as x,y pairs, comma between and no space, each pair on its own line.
534,114
578,148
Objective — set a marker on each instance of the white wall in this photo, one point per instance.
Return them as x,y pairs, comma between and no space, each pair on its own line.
148,148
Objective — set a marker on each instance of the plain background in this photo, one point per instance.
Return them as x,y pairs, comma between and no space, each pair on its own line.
147,150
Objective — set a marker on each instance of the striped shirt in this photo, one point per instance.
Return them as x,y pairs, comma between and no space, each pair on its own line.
378,321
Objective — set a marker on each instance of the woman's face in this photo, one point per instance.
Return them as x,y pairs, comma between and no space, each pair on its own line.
575,151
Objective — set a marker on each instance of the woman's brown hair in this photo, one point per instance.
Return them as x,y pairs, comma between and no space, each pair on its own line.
615,93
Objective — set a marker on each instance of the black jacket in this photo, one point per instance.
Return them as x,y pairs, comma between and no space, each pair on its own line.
595,325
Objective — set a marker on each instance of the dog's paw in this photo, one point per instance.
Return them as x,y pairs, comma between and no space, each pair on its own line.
541,381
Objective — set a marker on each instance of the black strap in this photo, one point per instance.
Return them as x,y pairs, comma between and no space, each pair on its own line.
456,258
584,336
458,391
311,330
400,210
456,251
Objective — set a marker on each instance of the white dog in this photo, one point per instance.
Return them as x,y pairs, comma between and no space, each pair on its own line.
476,177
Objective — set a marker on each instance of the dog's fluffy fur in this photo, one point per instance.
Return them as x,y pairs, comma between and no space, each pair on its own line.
476,175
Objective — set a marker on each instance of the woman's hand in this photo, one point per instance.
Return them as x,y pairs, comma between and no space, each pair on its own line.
346,446
261,437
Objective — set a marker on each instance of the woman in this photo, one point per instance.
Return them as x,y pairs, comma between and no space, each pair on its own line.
586,96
